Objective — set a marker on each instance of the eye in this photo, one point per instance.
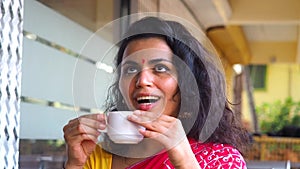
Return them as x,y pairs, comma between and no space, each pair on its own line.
161,68
130,70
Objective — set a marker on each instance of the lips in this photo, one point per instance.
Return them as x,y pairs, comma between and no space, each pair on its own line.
146,102
147,99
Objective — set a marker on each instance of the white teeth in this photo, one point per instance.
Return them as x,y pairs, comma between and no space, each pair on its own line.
147,98
146,103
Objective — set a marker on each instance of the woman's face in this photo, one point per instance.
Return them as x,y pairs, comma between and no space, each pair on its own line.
148,79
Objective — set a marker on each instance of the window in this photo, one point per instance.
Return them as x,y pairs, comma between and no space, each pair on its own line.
258,76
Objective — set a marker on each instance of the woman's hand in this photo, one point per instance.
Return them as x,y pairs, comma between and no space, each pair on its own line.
168,131
81,136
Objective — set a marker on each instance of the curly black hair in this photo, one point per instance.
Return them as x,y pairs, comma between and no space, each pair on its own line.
204,110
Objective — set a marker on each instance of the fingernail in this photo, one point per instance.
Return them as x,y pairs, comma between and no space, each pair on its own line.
102,126
137,112
132,117
99,116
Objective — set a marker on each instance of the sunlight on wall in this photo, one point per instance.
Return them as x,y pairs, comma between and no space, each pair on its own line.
282,81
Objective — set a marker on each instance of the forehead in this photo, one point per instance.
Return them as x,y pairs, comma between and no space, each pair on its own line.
146,47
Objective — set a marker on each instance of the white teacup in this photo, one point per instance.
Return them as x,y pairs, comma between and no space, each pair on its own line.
122,131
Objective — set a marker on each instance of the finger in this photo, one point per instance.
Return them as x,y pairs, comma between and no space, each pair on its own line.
81,132
93,123
150,134
95,116
92,120
161,138
169,139
162,122
83,126
172,130
146,117
75,139
161,125
157,126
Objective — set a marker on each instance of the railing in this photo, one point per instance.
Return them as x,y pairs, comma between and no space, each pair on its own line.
265,148
41,161
269,165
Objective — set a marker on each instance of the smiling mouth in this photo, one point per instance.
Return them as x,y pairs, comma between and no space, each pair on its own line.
147,99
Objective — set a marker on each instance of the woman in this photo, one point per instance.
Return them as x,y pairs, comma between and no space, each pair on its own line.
177,92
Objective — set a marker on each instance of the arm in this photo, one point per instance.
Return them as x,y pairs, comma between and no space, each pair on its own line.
81,137
168,131
182,156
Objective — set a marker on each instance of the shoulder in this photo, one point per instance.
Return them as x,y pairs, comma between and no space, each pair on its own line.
211,155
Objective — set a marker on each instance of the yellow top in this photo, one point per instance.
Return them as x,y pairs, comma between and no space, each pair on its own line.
99,159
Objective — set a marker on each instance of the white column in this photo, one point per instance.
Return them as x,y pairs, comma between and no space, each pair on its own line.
11,26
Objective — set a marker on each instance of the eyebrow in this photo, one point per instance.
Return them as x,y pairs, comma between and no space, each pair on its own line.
129,62
153,61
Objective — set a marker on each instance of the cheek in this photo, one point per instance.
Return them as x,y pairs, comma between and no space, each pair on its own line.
169,87
126,87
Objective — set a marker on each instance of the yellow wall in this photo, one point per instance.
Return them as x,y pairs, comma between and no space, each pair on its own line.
295,86
229,73
282,81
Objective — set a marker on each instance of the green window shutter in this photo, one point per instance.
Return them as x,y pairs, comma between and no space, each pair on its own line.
258,76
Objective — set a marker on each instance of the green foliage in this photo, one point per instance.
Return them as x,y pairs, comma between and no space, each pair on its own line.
56,143
274,116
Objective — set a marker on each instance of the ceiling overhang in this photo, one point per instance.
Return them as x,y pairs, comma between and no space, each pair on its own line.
271,28
230,40
244,31
252,32
92,14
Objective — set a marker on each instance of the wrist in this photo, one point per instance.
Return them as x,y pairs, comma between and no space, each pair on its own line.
182,156
189,161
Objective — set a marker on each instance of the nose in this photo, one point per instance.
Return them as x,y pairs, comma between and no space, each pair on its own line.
144,78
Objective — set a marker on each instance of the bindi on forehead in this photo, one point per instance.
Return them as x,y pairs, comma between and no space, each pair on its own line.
143,61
